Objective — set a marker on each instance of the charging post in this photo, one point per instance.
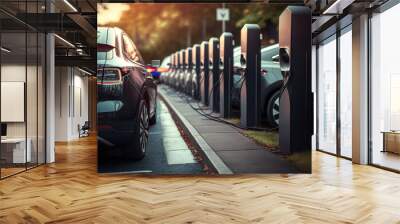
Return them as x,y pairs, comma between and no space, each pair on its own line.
250,60
296,101
188,73
213,83
204,73
182,56
196,72
177,69
226,73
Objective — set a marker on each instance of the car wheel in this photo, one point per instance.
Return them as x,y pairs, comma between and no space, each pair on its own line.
273,110
141,135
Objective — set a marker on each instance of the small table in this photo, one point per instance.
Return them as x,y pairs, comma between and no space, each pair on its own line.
16,147
391,141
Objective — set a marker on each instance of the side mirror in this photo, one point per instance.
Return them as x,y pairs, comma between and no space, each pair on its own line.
155,63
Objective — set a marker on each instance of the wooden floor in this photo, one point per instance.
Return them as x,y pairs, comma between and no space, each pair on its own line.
70,191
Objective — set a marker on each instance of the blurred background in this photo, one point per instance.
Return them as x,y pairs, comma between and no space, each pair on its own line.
161,29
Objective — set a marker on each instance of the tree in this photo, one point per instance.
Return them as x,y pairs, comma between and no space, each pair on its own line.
159,30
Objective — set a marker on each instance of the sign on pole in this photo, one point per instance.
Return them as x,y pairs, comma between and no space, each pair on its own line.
222,14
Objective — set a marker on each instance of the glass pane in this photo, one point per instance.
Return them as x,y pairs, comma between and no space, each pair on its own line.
346,94
31,97
13,86
327,96
41,98
314,90
385,84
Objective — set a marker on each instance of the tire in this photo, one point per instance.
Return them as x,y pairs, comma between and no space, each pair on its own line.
153,119
137,150
272,110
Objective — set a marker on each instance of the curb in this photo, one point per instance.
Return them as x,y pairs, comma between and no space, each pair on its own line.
197,139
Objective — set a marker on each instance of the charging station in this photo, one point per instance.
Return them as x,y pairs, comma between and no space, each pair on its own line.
164,76
195,78
188,72
172,70
250,60
182,56
169,77
204,72
226,42
296,101
213,82
177,68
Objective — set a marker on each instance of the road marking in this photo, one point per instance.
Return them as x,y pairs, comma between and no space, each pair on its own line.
175,156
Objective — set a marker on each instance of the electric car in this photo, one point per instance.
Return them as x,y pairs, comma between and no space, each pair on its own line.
126,103
271,83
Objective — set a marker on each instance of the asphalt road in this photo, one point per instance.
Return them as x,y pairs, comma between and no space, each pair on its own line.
167,152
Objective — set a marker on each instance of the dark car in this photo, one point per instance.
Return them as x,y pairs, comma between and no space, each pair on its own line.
126,92
271,83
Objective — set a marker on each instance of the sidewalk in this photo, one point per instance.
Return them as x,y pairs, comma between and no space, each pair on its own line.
231,150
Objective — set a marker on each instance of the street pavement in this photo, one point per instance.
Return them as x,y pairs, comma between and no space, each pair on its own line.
239,153
167,152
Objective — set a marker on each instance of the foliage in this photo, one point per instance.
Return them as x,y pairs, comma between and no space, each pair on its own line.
161,29
268,139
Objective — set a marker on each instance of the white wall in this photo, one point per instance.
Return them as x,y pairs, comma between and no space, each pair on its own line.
33,126
71,87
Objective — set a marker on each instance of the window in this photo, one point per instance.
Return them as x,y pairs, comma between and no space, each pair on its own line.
22,75
346,93
327,95
385,88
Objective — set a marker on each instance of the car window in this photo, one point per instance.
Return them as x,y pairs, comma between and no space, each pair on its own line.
130,50
102,38
104,55
103,33
268,53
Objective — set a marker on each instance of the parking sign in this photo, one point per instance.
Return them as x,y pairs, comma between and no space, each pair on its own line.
222,14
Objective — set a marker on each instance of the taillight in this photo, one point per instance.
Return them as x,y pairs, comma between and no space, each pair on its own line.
150,69
109,76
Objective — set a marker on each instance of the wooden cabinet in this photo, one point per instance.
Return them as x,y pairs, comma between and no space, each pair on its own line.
391,142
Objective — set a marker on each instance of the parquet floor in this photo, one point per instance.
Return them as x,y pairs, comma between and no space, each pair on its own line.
70,191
